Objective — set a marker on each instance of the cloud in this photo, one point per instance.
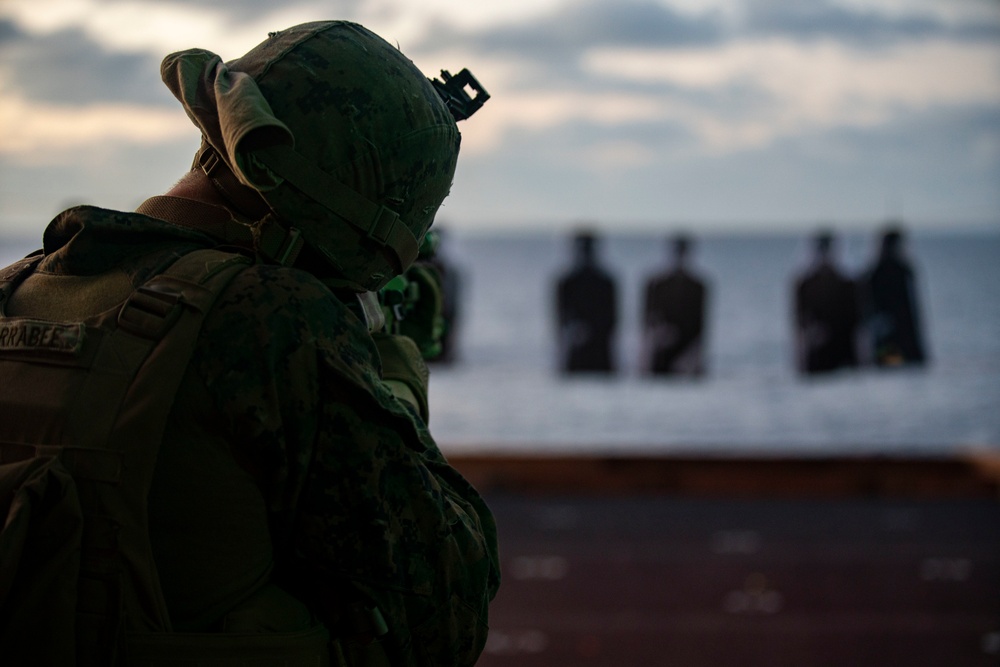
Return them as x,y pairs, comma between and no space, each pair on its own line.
632,109
159,27
870,23
9,32
572,28
565,31
734,78
76,75
805,87
236,10
47,134
67,95
855,175
113,174
69,67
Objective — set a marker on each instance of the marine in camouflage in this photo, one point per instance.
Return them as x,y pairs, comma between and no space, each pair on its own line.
288,466
292,448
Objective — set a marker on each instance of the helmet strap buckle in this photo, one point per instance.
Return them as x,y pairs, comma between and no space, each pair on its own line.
276,243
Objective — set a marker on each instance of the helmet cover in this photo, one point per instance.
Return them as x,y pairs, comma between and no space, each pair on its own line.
355,108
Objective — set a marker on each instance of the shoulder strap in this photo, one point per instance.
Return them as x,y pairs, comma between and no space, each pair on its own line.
156,333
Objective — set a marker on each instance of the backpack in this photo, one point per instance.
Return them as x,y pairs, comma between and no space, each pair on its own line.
81,404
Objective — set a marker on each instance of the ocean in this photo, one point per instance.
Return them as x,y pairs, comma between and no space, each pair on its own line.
504,394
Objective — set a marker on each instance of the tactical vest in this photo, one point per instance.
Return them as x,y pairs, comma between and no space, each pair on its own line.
83,408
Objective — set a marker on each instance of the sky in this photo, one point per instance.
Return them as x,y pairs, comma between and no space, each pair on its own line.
725,115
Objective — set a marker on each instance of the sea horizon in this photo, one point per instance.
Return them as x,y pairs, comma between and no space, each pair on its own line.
505,395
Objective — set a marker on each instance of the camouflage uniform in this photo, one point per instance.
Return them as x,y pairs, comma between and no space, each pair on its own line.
288,466
287,459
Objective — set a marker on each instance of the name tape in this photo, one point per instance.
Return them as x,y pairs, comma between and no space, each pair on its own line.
37,336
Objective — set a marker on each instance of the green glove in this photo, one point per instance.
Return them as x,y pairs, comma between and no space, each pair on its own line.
404,370
424,322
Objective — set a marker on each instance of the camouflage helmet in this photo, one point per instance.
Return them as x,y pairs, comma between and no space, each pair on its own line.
346,141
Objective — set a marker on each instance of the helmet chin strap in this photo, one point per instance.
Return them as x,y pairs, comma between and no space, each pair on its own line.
374,222
266,238
243,199
271,240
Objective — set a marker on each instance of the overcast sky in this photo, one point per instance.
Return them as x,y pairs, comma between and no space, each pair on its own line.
713,114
